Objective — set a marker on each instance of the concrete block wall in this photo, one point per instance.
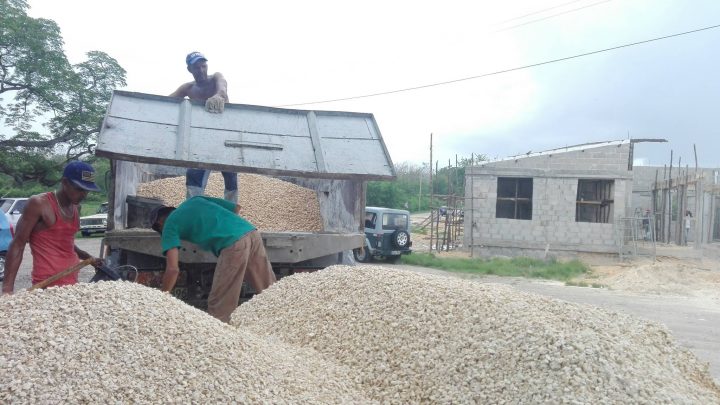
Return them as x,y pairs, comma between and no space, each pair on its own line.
553,227
553,223
604,158
644,177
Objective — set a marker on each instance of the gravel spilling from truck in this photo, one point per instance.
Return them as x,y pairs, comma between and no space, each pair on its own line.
414,338
268,203
119,342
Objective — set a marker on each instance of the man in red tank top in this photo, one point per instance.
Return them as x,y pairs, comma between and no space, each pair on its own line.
49,223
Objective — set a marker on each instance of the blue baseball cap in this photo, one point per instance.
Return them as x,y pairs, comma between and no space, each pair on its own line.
81,174
194,57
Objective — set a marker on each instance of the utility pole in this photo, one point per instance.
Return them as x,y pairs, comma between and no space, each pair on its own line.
431,179
420,192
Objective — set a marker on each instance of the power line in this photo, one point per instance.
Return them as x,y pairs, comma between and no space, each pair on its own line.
539,11
505,70
552,16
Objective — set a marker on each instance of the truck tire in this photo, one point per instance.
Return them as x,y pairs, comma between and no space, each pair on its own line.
400,239
362,255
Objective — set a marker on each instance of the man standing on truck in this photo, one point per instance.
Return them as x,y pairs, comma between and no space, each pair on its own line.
215,226
49,223
213,91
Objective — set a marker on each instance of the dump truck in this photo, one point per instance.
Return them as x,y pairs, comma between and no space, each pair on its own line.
147,137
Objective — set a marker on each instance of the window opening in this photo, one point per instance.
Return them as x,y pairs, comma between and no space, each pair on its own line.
595,201
514,198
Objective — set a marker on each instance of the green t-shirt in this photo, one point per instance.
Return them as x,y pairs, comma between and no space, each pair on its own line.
210,223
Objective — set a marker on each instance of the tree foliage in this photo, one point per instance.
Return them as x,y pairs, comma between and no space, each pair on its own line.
412,185
47,105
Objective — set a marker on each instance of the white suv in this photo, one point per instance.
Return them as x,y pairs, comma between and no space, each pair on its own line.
13,208
96,223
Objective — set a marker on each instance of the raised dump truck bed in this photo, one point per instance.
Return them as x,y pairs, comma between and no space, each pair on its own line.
149,137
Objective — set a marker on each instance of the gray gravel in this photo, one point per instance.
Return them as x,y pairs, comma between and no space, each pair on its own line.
694,324
419,338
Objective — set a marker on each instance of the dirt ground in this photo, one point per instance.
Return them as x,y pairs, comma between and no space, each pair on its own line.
676,270
698,278
675,276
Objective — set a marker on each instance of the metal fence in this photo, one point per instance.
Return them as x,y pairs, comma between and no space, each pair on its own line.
635,236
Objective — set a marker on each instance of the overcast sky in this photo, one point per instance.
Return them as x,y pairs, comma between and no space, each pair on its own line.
286,52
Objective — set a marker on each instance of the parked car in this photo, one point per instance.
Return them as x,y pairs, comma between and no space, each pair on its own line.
96,223
6,235
13,207
387,235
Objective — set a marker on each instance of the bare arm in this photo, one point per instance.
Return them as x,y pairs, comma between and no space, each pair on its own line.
97,262
221,86
182,91
216,103
172,269
30,217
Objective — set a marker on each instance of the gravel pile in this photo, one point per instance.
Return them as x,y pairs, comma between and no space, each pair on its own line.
116,342
414,338
268,203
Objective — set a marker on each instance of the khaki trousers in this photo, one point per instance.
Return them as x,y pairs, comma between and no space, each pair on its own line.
247,255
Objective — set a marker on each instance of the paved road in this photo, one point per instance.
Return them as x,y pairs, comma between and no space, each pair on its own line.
694,323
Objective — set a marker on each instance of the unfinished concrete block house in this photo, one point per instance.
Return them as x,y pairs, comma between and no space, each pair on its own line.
560,201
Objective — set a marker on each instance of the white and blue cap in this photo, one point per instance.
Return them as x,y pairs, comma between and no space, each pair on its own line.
81,174
193,57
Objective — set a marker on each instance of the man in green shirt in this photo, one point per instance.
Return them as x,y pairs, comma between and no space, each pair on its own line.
214,225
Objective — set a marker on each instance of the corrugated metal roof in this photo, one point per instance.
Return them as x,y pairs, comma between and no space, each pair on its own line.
245,138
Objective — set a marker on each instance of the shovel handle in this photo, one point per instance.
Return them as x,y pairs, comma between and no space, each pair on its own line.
62,274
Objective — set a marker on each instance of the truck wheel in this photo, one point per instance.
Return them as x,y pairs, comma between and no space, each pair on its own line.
400,238
362,255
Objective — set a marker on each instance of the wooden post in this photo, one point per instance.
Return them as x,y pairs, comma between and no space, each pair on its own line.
472,205
669,193
432,189
699,194
699,223
663,198
653,206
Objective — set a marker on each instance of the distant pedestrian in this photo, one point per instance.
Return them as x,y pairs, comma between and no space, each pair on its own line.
646,224
688,219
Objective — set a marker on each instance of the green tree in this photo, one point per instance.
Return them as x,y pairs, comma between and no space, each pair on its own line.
52,106
412,185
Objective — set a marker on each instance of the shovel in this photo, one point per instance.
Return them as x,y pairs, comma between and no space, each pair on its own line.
62,274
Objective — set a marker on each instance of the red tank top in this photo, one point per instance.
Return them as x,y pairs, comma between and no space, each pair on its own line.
53,248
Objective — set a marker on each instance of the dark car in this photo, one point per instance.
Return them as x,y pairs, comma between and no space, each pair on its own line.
387,235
